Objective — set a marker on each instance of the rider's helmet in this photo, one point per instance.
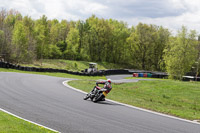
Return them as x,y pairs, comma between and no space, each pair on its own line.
109,80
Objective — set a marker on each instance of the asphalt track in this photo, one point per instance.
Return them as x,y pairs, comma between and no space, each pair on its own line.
121,78
45,100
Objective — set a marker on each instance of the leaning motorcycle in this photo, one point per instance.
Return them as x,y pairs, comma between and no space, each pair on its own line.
96,95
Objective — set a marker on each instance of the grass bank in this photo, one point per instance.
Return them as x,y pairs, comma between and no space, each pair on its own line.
177,98
11,124
71,65
64,75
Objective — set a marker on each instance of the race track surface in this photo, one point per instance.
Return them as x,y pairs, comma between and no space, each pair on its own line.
121,78
45,100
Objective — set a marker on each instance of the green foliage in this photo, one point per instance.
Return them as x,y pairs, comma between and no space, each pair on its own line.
42,37
72,44
181,53
30,34
96,40
1,34
103,40
1,41
75,65
162,39
61,45
11,124
147,43
54,52
118,49
19,43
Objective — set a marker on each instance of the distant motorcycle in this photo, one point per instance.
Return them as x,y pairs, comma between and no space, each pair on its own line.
96,95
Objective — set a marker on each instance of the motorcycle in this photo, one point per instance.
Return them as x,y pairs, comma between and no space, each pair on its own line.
96,95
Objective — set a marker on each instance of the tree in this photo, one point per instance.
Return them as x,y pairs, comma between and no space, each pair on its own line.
147,47
64,30
54,31
29,26
118,49
180,53
142,41
19,43
161,39
8,20
146,44
1,42
72,44
92,38
42,37
84,39
54,52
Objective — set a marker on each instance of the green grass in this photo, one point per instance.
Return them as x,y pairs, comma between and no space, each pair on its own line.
71,65
11,124
64,75
176,98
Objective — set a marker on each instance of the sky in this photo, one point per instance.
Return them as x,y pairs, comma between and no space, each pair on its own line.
171,14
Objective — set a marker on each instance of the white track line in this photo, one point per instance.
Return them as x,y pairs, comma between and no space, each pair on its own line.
65,83
28,120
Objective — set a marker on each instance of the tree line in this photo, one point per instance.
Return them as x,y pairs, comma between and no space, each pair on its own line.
147,47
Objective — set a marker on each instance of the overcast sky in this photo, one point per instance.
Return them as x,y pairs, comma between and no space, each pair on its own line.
171,14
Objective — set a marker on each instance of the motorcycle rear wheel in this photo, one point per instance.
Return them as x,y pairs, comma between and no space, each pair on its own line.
97,98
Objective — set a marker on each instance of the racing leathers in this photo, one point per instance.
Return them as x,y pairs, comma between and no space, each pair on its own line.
107,87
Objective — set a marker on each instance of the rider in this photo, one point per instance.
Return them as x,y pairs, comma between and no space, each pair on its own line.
107,86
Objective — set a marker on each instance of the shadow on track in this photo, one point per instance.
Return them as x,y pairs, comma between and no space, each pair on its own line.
107,103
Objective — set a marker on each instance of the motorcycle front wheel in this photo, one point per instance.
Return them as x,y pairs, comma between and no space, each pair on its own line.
86,97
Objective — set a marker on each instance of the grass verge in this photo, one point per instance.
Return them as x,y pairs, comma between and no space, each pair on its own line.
11,124
64,75
177,98
70,64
